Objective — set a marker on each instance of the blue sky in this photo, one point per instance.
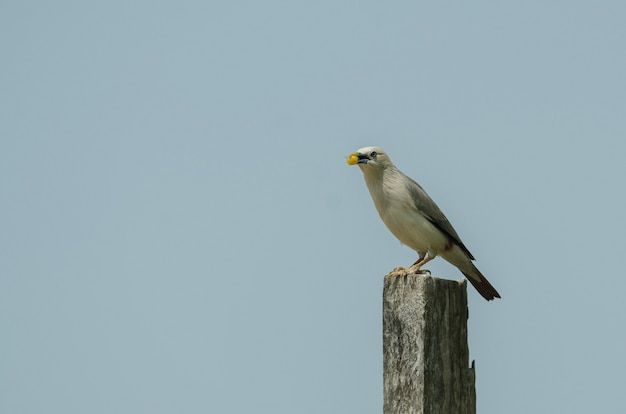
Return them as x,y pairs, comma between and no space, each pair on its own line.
180,232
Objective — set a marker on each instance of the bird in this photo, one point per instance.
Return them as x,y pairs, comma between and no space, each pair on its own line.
415,219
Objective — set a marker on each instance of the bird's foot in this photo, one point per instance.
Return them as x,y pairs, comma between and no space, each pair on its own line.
418,271
402,272
397,272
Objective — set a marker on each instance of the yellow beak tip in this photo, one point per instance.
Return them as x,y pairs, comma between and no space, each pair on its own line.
352,159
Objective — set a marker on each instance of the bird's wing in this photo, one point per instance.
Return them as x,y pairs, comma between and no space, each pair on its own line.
431,211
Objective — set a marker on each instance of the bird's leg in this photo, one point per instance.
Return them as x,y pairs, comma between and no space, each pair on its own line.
421,261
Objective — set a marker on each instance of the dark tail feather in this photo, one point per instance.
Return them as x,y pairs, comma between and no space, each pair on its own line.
481,284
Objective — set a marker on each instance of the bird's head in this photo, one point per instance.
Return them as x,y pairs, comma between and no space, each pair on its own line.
369,158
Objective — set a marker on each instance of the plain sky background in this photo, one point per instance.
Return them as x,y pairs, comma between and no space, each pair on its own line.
180,232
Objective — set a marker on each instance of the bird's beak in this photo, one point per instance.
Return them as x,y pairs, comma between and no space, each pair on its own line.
357,158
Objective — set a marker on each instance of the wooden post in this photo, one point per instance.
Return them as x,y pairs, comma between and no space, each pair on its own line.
425,351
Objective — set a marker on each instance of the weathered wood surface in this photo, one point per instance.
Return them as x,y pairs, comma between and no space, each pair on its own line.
426,356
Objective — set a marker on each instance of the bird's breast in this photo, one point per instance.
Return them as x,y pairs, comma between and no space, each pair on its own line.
399,213
413,229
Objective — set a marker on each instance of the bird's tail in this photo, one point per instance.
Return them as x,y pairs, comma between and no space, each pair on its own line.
480,282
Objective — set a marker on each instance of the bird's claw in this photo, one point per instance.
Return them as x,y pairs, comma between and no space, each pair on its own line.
397,272
402,272
419,271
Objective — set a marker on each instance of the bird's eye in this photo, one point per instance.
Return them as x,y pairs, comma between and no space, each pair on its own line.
373,154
